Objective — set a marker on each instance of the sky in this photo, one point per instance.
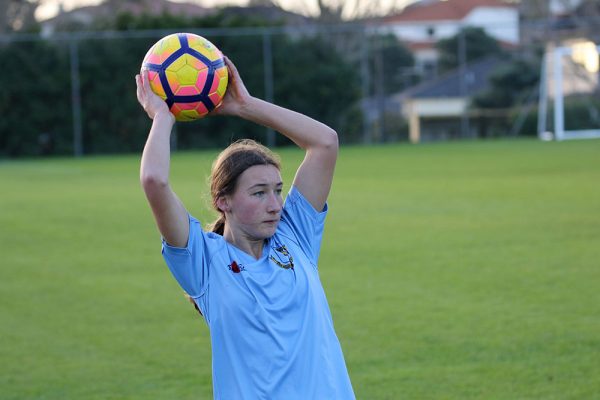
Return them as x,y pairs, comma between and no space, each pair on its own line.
49,8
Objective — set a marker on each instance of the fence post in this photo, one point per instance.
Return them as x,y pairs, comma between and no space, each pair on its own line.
76,98
268,79
543,97
364,72
464,92
379,90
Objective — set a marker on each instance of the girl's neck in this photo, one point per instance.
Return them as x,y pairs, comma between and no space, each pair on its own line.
253,247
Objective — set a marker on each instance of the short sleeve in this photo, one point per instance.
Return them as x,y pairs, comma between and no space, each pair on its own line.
189,265
300,220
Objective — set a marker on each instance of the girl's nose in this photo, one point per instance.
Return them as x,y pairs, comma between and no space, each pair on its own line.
274,204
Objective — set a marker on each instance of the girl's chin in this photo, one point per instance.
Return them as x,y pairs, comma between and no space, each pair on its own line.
269,230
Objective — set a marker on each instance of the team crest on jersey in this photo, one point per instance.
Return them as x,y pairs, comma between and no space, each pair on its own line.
282,257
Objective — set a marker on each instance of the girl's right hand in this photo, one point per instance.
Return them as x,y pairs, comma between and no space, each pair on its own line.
150,101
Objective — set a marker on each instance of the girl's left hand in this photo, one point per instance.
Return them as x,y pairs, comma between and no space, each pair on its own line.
236,96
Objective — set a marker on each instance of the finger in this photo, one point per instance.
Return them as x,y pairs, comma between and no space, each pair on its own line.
233,72
146,80
138,90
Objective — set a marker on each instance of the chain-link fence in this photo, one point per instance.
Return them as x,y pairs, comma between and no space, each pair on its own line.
74,93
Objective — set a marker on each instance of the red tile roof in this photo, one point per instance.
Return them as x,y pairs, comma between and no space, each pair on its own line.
416,46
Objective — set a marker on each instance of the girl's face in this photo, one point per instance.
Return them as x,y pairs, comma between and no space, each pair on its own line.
254,209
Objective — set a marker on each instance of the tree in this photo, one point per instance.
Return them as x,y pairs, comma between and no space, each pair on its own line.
391,64
309,75
508,84
17,15
312,78
473,41
586,17
335,11
36,98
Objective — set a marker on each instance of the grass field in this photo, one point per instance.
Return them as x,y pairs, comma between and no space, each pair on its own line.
464,270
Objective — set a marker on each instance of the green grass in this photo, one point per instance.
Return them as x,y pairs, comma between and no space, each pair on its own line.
464,270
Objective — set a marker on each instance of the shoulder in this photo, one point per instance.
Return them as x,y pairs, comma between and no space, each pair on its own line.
301,223
299,215
297,202
198,239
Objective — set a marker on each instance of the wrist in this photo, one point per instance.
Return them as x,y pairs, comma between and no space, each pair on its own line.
249,107
165,116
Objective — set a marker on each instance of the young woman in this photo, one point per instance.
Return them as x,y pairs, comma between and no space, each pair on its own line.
254,275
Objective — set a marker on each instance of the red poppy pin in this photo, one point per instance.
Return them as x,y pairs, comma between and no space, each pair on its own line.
235,267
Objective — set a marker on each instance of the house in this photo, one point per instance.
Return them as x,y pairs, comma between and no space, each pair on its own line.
422,24
439,108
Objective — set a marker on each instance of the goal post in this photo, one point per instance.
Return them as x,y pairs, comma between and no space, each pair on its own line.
569,71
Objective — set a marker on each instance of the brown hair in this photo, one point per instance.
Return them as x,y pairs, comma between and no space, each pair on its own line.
228,167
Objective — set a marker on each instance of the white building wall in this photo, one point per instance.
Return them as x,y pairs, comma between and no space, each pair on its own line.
500,23
435,107
424,31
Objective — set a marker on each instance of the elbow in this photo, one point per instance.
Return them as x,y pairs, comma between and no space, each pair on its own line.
152,182
331,141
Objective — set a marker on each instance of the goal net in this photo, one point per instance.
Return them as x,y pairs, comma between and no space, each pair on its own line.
569,105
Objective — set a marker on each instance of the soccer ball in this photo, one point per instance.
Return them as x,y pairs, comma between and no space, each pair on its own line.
188,72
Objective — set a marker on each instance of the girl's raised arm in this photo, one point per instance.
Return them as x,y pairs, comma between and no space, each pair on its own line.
170,214
315,174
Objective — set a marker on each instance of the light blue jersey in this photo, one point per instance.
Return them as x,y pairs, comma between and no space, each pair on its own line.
271,329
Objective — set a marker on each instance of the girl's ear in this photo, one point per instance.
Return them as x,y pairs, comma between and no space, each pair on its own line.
223,204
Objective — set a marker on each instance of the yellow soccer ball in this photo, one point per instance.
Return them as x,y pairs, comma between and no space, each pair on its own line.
188,72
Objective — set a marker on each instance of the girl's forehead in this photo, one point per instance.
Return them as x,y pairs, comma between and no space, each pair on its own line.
260,174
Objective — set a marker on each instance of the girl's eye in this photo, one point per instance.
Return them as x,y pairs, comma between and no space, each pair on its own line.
278,191
259,193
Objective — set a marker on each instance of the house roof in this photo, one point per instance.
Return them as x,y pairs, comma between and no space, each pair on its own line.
441,10
419,45
448,85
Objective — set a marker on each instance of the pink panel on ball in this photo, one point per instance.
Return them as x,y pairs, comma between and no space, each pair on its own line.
188,111
187,91
153,58
201,81
215,98
201,109
186,106
215,84
155,84
198,106
175,110
196,63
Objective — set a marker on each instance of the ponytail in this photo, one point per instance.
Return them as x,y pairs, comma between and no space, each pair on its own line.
191,300
218,226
